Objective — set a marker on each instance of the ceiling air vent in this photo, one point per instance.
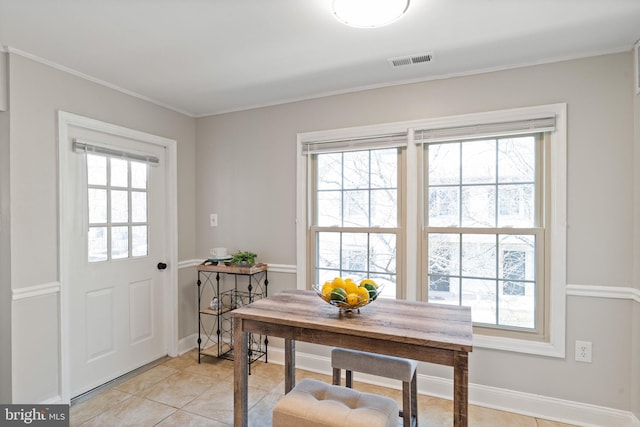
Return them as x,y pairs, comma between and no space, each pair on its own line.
401,61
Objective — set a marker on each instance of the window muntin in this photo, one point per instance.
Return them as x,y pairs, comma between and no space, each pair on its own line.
356,216
483,233
117,197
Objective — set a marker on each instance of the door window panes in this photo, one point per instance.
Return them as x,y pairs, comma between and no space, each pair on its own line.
117,208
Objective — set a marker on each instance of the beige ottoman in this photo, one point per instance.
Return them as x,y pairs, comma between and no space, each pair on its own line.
313,403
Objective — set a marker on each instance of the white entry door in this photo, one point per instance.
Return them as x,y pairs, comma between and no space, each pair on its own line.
116,286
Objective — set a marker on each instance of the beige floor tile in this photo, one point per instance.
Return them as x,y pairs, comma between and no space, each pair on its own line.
132,412
178,389
182,362
217,402
88,409
211,367
485,417
146,379
185,419
266,375
260,415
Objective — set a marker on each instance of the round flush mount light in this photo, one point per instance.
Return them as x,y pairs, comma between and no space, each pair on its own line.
369,13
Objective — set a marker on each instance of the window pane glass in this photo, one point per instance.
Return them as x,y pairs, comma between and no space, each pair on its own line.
356,170
329,208
329,171
517,159
479,162
384,168
517,309
119,206
356,209
96,170
119,172
138,175
517,257
384,208
329,251
516,205
139,206
382,258
444,164
139,243
480,295
97,206
444,290
444,207
444,254
478,255
97,244
355,250
119,242
479,206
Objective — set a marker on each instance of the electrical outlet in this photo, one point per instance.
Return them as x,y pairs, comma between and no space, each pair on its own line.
213,220
583,351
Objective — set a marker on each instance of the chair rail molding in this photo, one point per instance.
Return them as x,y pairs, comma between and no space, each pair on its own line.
600,291
35,291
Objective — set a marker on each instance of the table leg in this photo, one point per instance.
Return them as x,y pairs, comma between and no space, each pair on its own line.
240,375
460,389
289,365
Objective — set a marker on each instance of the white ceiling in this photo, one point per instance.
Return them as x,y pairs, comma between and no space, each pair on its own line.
204,57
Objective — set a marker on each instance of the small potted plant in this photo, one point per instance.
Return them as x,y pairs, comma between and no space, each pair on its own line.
244,258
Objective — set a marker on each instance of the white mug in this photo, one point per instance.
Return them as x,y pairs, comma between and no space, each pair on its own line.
219,252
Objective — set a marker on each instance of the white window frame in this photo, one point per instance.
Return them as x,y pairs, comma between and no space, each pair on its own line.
555,345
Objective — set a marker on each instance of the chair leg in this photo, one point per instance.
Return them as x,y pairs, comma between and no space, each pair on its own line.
350,379
406,412
414,399
336,376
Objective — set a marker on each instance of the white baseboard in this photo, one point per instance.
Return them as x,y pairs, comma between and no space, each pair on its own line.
532,405
187,343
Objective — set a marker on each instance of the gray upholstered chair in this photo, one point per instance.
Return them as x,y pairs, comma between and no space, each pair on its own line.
314,403
384,366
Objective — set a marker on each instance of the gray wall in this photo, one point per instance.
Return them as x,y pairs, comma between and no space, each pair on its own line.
37,93
5,260
635,360
245,163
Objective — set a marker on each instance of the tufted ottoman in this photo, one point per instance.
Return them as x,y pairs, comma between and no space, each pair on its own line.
313,403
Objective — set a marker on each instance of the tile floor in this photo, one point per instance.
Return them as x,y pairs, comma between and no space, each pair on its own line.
181,392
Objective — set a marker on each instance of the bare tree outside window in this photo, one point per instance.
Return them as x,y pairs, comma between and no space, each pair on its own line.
356,216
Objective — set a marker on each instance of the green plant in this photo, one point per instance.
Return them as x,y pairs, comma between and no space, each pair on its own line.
244,257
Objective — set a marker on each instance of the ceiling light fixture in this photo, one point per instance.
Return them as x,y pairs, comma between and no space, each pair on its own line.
369,13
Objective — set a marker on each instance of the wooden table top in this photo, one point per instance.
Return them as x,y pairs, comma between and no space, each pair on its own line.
439,326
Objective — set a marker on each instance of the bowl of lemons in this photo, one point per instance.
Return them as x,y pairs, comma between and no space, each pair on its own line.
347,294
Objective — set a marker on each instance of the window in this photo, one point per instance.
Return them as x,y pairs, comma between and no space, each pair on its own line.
484,221
117,208
487,230
355,216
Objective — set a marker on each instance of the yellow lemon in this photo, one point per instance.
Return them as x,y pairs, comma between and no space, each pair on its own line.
353,299
350,286
338,282
327,287
363,293
369,281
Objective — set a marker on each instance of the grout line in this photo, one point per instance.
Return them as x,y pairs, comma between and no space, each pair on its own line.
116,381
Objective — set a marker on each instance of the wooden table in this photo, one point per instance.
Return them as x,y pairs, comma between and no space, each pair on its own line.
421,331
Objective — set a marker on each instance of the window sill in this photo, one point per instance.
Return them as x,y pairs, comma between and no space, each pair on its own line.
550,349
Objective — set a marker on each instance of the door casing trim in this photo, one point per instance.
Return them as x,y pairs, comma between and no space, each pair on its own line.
65,120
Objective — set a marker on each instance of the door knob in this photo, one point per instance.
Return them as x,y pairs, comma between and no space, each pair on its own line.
162,266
